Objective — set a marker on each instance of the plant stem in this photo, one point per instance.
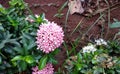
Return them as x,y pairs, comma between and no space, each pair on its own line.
66,19
80,22
3,55
93,25
108,18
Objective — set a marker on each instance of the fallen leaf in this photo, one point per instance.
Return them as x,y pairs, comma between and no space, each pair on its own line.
75,6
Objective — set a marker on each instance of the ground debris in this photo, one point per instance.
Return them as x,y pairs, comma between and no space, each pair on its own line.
75,6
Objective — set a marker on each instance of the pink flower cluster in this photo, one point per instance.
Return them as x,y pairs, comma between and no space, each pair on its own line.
47,70
49,37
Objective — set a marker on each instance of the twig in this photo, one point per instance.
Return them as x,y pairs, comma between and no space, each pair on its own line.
41,5
104,9
108,18
3,55
92,25
77,25
66,19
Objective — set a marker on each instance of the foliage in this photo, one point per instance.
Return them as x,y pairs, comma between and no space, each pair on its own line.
18,50
114,47
102,61
115,24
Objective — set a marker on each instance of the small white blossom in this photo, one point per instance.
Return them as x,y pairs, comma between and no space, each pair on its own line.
37,16
89,48
100,42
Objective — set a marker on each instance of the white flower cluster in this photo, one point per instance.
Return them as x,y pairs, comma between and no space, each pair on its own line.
101,42
89,48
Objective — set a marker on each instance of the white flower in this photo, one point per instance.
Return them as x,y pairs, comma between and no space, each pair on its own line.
100,42
89,48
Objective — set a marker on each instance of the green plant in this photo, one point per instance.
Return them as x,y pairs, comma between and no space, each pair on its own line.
99,61
114,47
7,43
115,24
18,50
60,14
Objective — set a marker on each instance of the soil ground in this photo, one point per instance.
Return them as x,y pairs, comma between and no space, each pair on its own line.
99,30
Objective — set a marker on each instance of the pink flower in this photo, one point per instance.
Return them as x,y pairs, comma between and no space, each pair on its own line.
47,70
49,37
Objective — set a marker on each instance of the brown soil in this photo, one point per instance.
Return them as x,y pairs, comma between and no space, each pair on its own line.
51,7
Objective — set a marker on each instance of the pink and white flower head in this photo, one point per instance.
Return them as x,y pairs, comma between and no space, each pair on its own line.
49,37
47,70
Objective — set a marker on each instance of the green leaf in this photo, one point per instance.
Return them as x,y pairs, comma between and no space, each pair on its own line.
79,66
29,59
22,66
118,71
56,51
19,57
28,41
14,63
94,61
118,33
79,57
59,15
115,25
13,22
62,7
19,50
52,60
42,62
98,70
1,27
2,9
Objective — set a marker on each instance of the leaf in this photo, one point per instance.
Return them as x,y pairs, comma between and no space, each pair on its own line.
94,60
53,61
59,15
13,22
22,66
42,62
79,57
2,9
79,66
115,25
18,50
118,33
98,70
56,51
1,27
62,7
118,71
28,41
29,59
75,6
19,57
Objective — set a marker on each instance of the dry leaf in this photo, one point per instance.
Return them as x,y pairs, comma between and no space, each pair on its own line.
75,6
